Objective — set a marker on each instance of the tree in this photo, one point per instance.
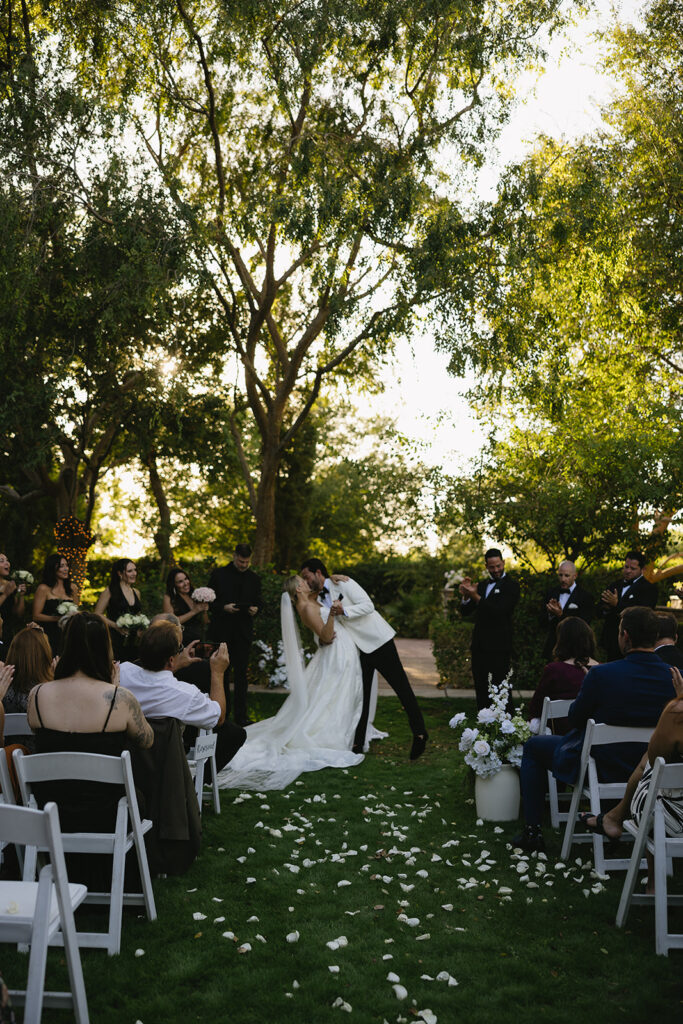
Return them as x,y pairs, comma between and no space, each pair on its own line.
578,318
314,151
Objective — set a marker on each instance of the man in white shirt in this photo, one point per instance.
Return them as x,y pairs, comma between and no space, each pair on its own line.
158,691
374,638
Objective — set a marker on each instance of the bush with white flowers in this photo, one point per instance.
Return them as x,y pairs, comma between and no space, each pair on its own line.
498,736
272,663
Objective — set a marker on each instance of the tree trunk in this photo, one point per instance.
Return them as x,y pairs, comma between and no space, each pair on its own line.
162,536
264,541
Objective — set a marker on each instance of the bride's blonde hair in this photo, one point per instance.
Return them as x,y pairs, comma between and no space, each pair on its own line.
290,586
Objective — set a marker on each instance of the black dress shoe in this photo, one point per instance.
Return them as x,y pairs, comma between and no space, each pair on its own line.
530,840
418,747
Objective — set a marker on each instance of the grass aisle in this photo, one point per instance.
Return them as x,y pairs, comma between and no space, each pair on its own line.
384,878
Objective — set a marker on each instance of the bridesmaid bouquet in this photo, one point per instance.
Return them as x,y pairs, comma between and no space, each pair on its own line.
132,623
496,739
203,595
22,576
65,609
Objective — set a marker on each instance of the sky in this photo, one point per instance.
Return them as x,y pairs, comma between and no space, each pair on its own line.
562,101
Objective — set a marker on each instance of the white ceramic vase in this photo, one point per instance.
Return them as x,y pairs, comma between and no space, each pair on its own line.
497,797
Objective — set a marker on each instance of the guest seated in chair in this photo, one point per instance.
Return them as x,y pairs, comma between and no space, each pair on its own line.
667,742
631,692
573,655
85,709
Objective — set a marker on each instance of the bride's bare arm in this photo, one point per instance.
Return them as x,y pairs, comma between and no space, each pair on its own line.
311,617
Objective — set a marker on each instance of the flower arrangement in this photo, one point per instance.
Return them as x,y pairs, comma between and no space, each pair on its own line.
497,738
66,609
204,595
22,576
272,663
132,622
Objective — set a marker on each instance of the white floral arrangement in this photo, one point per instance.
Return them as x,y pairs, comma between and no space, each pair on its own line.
22,576
66,609
132,622
453,577
272,663
204,595
498,736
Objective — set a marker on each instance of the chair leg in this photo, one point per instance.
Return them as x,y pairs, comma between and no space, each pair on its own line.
75,968
571,820
214,786
661,909
631,876
35,986
145,877
116,904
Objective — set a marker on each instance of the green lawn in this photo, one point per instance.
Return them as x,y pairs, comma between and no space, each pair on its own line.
351,853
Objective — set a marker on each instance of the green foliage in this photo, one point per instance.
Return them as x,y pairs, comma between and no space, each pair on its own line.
451,640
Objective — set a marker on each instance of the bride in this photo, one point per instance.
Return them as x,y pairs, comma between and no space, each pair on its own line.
315,726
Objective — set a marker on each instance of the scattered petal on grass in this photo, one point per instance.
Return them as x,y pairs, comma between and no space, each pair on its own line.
139,952
191,890
428,1016
228,935
422,873
426,977
391,976
388,956
422,938
400,992
295,984
412,922
244,948
218,920
340,1004
216,899
293,937
344,882
333,969
251,919
250,881
197,916
259,937
446,906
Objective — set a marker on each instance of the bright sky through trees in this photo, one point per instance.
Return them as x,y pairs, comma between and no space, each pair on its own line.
563,101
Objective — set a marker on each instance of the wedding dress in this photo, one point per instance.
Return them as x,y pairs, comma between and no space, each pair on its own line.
315,726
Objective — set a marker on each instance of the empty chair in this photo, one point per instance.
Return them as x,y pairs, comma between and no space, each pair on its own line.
554,709
40,913
127,834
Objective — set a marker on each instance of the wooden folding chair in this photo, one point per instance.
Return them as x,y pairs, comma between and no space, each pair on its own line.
651,835
589,787
38,914
553,709
128,833
204,750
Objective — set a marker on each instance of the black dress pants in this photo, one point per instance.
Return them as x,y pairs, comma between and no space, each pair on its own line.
386,661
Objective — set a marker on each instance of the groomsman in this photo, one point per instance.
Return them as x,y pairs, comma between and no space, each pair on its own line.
564,601
238,600
492,602
633,589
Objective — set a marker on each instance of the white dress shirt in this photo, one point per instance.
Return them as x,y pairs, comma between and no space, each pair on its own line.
161,695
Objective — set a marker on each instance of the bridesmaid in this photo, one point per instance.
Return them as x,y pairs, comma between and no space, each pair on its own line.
120,598
56,587
11,600
177,600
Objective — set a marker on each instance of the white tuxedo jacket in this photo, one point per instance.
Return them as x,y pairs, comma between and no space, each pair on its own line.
365,625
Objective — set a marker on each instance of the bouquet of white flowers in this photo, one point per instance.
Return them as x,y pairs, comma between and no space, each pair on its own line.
132,623
203,595
496,739
66,609
22,576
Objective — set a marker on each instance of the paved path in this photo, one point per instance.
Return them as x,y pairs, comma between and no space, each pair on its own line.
420,667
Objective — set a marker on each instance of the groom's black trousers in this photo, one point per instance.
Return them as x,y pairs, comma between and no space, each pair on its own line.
386,661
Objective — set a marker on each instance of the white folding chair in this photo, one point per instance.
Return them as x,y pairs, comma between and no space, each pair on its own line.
128,833
37,913
16,724
589,787
553,709
651,835
204,750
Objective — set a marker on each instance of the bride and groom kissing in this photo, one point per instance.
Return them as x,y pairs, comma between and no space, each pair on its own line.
373,637
323,722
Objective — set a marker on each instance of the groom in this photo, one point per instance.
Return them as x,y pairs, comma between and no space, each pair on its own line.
374,638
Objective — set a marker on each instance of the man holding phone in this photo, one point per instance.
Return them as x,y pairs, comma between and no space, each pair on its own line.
374,638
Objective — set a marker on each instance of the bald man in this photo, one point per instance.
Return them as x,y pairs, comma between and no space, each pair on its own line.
563,601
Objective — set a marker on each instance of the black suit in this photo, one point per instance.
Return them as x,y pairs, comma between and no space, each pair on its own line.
641,592
579,605
671,654
492,634
242,588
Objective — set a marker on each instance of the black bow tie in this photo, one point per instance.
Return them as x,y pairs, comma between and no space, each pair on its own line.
324,591
565,590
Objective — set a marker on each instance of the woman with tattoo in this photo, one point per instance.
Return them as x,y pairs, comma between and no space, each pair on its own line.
85,709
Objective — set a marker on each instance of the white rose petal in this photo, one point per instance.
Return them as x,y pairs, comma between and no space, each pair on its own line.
333,969
446,906
428,1016
250,881
244,948
293,937
139,952
198,917
342,883
228,935
422,873
251,919
218,920
422,938
400,992
391,976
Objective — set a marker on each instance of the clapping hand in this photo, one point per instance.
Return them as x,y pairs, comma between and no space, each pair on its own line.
467,588
677,680
6,674
610,597
554,607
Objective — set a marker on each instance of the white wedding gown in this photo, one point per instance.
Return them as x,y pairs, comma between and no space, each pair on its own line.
315,726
